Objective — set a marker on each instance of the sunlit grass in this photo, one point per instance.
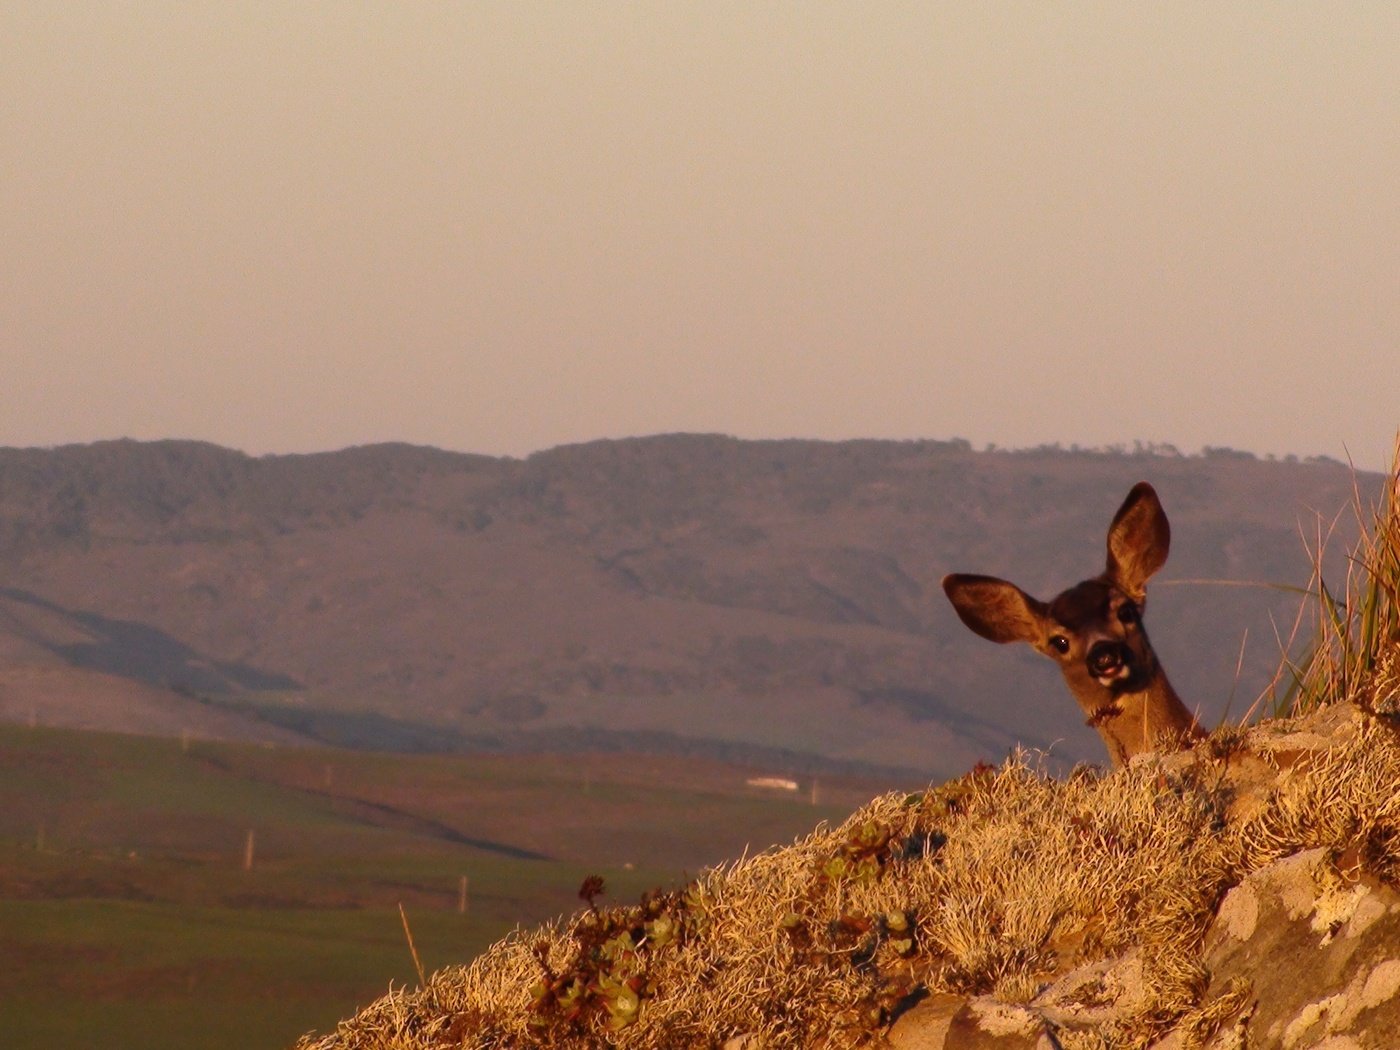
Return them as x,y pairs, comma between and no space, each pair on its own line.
1354,622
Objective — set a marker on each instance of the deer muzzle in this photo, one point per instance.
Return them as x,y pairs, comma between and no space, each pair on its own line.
1109,661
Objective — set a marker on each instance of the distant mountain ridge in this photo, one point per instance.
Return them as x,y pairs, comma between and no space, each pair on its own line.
777,599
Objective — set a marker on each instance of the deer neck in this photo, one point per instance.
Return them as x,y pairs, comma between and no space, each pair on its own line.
1146,719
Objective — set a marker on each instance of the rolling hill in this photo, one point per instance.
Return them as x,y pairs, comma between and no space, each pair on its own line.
755,600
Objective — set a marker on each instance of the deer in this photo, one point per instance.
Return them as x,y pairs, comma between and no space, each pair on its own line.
1094,632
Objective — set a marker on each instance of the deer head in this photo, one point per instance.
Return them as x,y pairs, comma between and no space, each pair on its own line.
1094,632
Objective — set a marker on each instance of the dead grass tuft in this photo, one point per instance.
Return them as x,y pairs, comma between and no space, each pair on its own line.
1358,622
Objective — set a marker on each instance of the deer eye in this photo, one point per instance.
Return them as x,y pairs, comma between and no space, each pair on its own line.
1127,613
1059,643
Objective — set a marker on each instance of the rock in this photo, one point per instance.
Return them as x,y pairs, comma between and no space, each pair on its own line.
959,1022
1094,994
1320,952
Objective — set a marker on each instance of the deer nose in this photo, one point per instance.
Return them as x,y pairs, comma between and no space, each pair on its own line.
1106,658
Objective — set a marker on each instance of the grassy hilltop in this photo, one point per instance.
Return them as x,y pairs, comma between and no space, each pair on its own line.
1120,909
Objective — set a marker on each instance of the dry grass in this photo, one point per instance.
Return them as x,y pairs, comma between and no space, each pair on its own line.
1356,623
1006,879
996,883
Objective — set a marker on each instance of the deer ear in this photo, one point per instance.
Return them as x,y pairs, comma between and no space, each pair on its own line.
997,610
1138,540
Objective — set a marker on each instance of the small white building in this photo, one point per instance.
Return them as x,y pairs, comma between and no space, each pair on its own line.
772,783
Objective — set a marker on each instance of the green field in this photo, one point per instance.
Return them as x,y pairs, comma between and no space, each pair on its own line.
129,916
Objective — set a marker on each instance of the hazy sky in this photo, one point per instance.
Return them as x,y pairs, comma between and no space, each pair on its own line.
498,227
